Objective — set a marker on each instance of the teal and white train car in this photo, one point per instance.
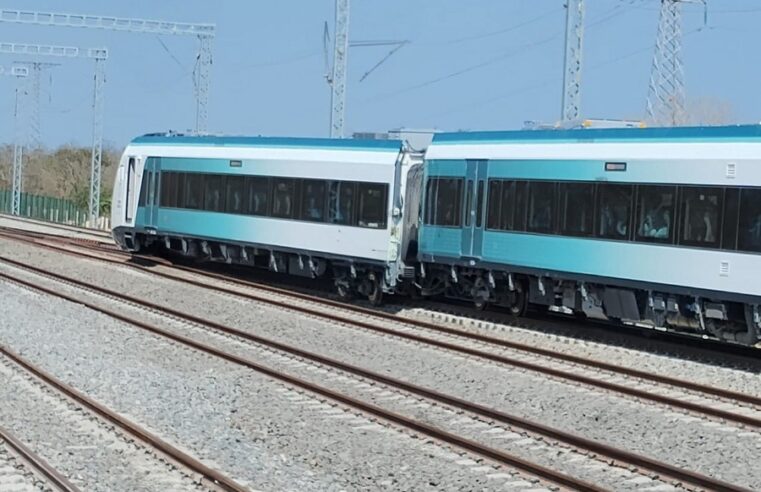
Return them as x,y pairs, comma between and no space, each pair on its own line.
310,207
658,227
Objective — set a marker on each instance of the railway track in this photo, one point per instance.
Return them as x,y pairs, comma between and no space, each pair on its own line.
210,478
496,422
56,225
22,469
701,400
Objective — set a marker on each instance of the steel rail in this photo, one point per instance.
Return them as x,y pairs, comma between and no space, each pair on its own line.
595,364
612,452
58,225
38,463
213,476
660,379
497,455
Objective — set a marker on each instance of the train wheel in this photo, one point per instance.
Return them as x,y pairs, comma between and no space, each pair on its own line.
375,294
344,291
480,304
519,301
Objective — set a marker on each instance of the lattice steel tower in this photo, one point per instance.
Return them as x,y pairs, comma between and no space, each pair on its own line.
574,38
666,98
337,78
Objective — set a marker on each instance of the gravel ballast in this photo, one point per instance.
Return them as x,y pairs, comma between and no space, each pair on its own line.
677,438
238,421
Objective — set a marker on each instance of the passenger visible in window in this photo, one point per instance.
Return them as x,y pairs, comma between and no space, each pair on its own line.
312,207
613,221
754,233
657,221
341,202
282,203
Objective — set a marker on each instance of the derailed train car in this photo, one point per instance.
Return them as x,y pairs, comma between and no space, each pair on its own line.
659,227
307,207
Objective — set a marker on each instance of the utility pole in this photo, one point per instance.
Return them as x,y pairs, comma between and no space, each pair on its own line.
337,79
666,94
99,55
204,32
574,38
35,101
21,73
96,155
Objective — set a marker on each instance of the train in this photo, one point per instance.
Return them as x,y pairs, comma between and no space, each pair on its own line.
653,227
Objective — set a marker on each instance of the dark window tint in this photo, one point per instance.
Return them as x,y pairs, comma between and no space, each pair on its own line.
283,197
520,212
313,200
655,213
212,196
614,206
540,207
468,203
341,202
731,215
234,195
701,209
444,203
169,189
372,205
577,209
258,196
143,198
749,226
192,196
480,204
494,205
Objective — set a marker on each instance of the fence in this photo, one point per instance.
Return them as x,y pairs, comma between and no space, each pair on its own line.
50,209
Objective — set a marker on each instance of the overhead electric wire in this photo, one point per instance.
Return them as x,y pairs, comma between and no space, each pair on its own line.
551,80
517,50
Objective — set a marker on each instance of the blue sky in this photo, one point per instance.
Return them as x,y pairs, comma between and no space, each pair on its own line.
481,64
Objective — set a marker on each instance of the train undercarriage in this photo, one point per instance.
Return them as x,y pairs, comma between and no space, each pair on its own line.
351,278
724,320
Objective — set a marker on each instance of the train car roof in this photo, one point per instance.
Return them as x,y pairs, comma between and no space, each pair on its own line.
742,133
273,142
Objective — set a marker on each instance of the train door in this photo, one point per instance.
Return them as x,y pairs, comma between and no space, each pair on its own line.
132,189
475,196
153,170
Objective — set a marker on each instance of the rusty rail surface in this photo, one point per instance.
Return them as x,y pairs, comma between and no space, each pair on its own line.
615,454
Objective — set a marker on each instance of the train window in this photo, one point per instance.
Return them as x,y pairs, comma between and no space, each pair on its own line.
313,200
258,195
213,189
341,202
577,205
749,226
444,202
372,205
169,189
493,204
234,194
143,198
192,196
701,209
431,191
541,198
520,211
731,215
655,214
283,197
468,203
480,204
614,206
